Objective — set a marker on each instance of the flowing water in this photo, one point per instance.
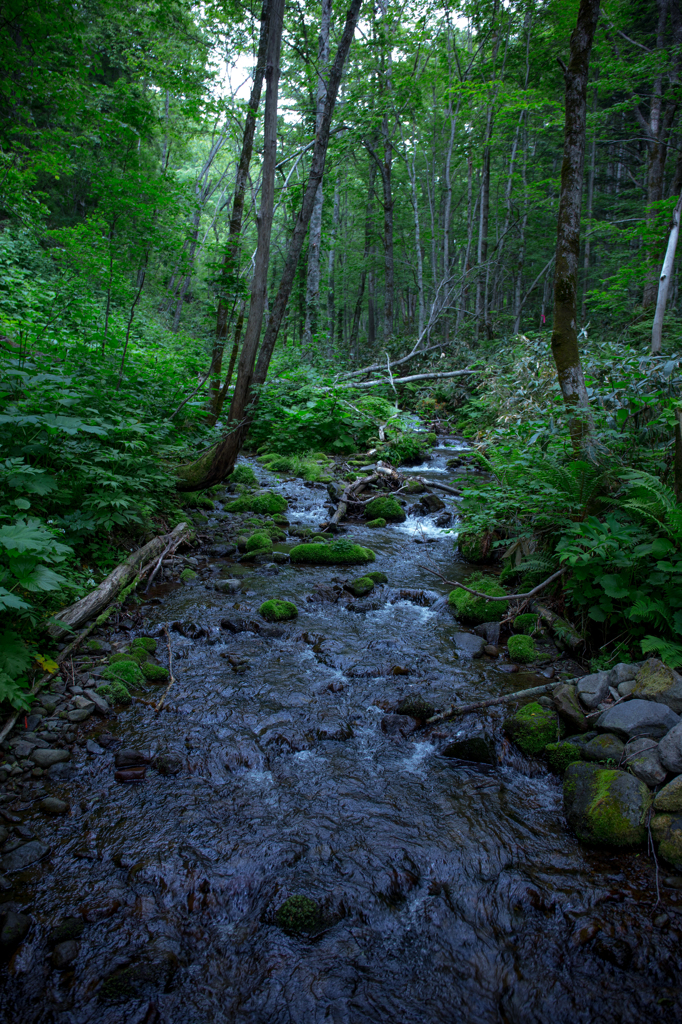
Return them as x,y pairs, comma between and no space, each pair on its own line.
450,891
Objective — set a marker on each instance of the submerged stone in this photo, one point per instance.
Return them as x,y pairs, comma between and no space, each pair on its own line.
605,806
416,706
362,586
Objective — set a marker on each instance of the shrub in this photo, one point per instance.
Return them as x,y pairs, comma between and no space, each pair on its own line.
385,508
521,648
278,611
474,609
339,552
266,503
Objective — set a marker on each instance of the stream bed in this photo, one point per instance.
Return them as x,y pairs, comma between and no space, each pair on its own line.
449,891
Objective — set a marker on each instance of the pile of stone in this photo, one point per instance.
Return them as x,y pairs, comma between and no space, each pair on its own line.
617,738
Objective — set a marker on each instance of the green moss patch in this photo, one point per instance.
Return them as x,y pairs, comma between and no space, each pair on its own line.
474,609
521,648
93,646
128,672
154,673
385,508
605,806
188,574
136,656
265,502
298,914
525,623
259,541
197,499
339,552
145,643
376,524
243,475
116,692
362,586
377,577
278,611
560,755
532,728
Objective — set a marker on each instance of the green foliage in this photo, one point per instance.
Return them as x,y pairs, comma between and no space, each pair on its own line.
408,448
470,608
278,611
521,648
305,466
385,507
339,552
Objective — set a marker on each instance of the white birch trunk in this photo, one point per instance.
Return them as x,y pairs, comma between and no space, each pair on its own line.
665,279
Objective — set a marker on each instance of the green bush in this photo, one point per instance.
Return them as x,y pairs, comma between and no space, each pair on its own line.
278,611
385,508
522,648
265,502
339,552
474,609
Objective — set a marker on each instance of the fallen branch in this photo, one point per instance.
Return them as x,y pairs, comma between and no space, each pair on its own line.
137,564
488,597
464,709
414,376
170,670
438,486
346,497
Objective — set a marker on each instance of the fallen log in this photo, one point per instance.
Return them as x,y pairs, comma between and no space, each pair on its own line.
414,376
347,497
463,709
434,483
136,565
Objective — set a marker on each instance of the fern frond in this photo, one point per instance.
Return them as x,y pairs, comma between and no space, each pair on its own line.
669,651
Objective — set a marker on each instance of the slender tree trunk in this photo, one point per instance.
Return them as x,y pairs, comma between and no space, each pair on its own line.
312,298
371,177
336,216
665,279
230,369
412,168
588,214
484,213
565,335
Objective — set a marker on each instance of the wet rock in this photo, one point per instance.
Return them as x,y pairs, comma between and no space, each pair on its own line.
362,586
13,931
130,774
666,829
378,578
416,706
223,550
397,725
190,630
641,757
240,625
565,700
638,718
280,557
333,727
532,728
490,631
606,747
152,972
4,833
614,951
47,758
69,928
605,806
53,805
168,762
80,714
431,503
622,673
227,586
468,645
560,755
93,747
593,689
444,520
474,748
670,750
100,702
23,748
64,954
24,856
669,799
656,682
130,758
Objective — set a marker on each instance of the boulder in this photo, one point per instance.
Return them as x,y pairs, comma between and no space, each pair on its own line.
656,682
227,586
532,728
641,757
670,750
14,930
64,954
605,806
638,718
565,700
416,706
621,673
474,748
593,689
490,631
669,799
53,805
431,503
606,747
24,856
361,586
46,758
666,829
468,645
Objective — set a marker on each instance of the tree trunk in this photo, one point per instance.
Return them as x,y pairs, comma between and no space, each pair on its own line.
482,254
588,215
564,334
336,216
665,279
312,297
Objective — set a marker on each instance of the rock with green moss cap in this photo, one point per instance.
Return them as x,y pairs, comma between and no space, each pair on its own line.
145,643
605,806
339,552
154,673
385,507
298,914
128,672
377,577
526,623
115,691
413,487
532,728
278,611
666,829
362,586
258,542
476,547
187,575
137,656
263,502
560,755
476,610
655,681
243,475
376,524
94,646
522,648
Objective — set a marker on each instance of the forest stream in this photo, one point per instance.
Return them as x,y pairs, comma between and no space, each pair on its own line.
448,891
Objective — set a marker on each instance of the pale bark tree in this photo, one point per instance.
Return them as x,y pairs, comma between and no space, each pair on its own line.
665,279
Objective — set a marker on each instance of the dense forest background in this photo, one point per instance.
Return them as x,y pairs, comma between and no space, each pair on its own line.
124,293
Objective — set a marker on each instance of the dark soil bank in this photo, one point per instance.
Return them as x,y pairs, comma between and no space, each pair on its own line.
438,890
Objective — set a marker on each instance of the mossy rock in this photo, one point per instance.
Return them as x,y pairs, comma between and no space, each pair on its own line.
116,692
667,831
145,643
197,499
298,914
522,648
278,611
377,577
532,728
362,586
187,575
154,673
474,609
264,502
604,806
94,646
243,475
259,542
277,463
476,547
136,656
128,672
376,524
413,487
416,706
526,623
320,538
385,507
560,755
339,552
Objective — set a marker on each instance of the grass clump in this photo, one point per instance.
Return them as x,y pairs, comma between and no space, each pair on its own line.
522,648
259,543
116,692
154,673
266,503
197,499
243,475
474,609
298,914
385,507
94,646
526,623
376,524
144,643
339,552
278,611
